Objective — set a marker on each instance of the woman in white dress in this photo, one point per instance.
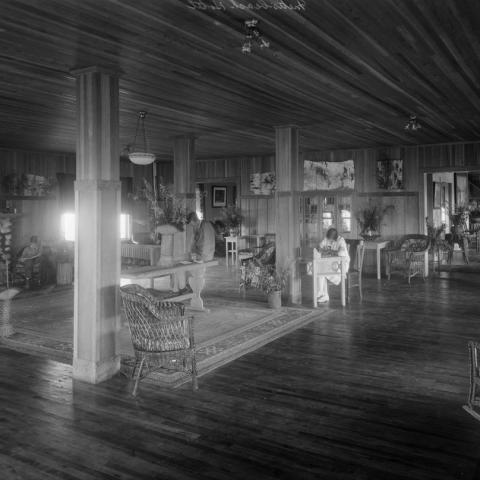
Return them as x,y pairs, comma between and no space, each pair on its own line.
333,242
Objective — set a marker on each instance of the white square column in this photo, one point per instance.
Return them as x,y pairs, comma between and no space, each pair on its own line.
289,179
97,245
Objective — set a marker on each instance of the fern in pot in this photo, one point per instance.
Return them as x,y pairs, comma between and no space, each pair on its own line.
273,281
370,220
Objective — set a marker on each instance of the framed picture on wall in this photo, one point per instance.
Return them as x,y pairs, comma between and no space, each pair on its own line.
219,196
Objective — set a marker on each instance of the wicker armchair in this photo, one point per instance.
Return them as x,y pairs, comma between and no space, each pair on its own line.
162,335
251,268
473,400
408,256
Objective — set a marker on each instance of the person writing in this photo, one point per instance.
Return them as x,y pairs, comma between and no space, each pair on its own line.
332,245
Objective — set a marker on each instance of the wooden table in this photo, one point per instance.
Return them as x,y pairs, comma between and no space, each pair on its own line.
196,280
378,247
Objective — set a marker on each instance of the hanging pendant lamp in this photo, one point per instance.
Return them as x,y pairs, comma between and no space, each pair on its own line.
140,154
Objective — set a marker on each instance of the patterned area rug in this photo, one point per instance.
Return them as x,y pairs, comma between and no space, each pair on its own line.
222,349
229,329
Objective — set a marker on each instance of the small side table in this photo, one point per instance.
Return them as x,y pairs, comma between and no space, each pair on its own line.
231,249
378,247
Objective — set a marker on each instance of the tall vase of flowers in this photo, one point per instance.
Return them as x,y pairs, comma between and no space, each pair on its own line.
370,220
167,216
232,218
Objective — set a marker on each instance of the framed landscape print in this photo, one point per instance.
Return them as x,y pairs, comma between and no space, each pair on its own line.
219,196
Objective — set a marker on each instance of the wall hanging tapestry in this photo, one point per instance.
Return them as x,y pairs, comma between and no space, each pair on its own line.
329,175
262,183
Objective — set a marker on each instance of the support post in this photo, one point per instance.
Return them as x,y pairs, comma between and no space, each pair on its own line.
97,207
289,174
184,187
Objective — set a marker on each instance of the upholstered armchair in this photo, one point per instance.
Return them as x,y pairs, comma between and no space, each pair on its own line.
408,256
162,336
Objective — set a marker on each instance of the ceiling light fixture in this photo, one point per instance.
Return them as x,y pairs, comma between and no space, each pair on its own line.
139,154
253,36
412,125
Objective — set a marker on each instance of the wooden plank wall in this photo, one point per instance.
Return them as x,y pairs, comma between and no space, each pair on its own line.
37,216
259,210
41,217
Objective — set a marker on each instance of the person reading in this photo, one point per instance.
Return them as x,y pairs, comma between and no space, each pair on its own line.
30,254
333,245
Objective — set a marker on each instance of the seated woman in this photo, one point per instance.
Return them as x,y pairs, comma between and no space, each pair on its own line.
332,244
28,256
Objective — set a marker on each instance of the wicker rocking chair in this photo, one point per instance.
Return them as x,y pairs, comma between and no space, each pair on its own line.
408,256
473,400
162,335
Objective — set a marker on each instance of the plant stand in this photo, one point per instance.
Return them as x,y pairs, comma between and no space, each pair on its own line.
275,300
6,328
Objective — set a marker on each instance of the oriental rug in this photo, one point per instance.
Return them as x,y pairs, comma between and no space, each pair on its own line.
229,329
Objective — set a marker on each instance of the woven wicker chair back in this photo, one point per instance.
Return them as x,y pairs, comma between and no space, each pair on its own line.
155,326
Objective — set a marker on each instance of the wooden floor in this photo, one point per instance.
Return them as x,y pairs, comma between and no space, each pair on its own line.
371,392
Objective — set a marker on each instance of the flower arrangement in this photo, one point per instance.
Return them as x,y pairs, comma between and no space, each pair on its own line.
370,220
164,207
232,217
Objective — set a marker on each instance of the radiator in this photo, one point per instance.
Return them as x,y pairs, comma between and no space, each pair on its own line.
140,254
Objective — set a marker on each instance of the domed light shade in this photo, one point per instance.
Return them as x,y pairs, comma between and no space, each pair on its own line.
140,154
141,158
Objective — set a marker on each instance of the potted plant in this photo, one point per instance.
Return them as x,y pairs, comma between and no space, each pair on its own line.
475,215
232,218
370,220
437,237
167,216
273,281
459,220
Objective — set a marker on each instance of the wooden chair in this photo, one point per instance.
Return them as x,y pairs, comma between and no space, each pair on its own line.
326,266
356,251
162,335
408,256
473,400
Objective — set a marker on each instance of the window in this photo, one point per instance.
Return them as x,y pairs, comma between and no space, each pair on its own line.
199,197
319,212
345,209
68,226
125,226
328,212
